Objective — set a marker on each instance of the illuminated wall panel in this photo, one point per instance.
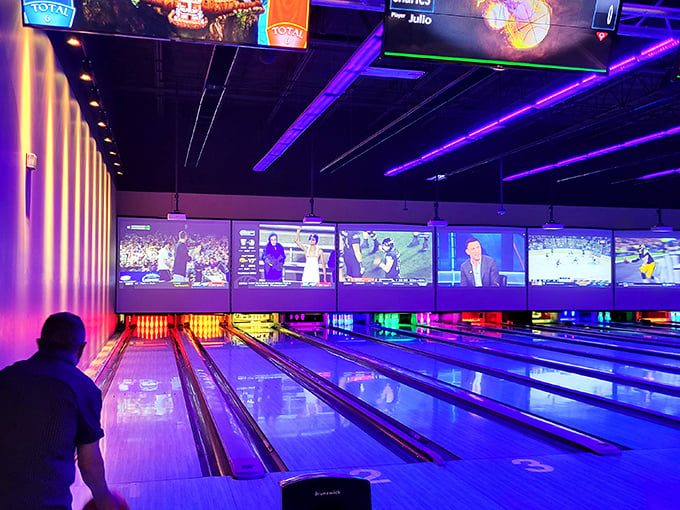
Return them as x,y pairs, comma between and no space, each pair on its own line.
56,235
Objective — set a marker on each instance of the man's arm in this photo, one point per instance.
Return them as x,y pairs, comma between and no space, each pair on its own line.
297,239
91,467
494,277
464,276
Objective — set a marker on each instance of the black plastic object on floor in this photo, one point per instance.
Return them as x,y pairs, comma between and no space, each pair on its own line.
325,492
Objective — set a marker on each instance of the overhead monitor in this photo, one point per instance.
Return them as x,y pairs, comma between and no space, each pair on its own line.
385,268
570,269
172,266
646,270
576,35
481,268
283,267
274,23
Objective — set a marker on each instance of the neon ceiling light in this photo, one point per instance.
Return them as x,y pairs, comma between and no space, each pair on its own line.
663,173
355,66
600,152
394,73
558,96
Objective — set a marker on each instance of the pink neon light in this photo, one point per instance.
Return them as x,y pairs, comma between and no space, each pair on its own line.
555,97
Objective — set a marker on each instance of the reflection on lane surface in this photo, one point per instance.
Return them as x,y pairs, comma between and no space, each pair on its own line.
628,394
595,420
148,435
305,431
462,432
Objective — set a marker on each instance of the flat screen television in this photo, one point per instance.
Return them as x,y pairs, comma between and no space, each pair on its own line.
385,268
570,269
172,266
274,23
646,270
283,267
576,35
481,268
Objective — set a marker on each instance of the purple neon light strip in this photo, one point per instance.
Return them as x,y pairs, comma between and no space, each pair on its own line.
594,154
359,61
551,99
663,173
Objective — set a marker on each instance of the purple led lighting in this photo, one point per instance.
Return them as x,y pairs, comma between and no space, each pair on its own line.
528,173
602,152
489,128
594,154
361,58
557,96
662,173
623,65
663,46
515,114
575,159
389,72
551,99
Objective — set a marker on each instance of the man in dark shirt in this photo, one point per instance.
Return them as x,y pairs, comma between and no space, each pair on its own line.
179,268
391,264
351,254
51,410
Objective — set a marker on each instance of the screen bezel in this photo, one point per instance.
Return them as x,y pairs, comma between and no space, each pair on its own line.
284,298
500,63
455,297
384,298
569,297
154,300
79,25
654,297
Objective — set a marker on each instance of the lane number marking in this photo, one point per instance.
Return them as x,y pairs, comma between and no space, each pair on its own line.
533,465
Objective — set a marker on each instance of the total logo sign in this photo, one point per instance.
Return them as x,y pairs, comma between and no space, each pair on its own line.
51,13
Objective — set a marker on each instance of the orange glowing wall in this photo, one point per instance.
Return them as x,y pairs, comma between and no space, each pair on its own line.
55,222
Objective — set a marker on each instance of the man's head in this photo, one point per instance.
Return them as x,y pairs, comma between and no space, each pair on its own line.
273,238
473,248
182,236
63,331
387,244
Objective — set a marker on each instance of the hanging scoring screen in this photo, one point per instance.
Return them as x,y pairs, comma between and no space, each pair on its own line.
172,266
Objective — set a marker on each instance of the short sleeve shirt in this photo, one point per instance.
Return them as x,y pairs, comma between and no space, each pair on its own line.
49,408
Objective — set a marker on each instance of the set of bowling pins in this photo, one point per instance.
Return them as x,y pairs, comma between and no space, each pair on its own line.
341,320
205,326
151,327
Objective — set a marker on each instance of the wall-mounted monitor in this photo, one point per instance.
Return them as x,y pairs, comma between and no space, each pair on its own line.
283,267
385,268
274,23
646,270
573,35
481,268
172,266
570,269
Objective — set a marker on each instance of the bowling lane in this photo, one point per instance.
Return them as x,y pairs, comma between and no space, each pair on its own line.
618,338
665,332
306,432
462,432
622,429
574,337
656,355
148,434
527,346
628,394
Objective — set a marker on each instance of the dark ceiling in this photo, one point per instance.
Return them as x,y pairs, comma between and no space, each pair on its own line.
207,114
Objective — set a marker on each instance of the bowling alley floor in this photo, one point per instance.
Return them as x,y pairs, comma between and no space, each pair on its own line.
633,480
